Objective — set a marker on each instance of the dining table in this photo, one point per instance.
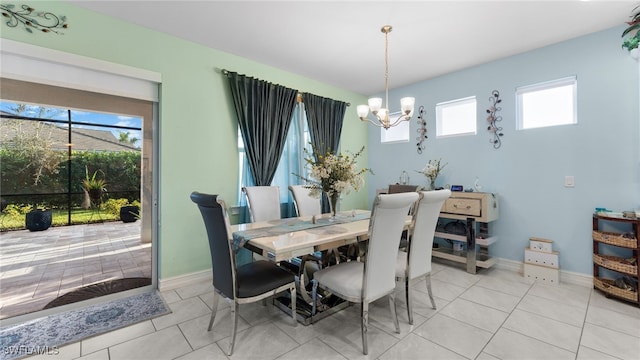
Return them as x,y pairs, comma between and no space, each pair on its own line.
282,240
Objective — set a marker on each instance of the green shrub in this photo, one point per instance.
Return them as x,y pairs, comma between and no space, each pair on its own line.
112,206
17,210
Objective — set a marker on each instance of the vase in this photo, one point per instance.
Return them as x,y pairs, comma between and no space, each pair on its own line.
333,204
431,184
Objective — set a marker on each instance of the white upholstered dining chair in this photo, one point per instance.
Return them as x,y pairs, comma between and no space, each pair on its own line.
415,263
306,205
364,282
263,202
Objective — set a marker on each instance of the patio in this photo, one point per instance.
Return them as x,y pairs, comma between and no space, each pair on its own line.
37,267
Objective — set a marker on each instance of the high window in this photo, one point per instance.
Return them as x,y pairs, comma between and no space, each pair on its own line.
456,117
545,104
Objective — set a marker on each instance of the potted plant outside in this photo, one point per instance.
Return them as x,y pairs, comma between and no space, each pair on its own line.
130,212
94,186
38,219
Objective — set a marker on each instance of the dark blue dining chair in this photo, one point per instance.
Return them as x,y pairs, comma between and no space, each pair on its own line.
245,284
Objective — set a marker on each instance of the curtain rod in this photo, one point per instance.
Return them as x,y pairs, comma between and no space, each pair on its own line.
226,73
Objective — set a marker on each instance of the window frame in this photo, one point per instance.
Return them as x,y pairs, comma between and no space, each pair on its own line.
396,134
452,103
542,86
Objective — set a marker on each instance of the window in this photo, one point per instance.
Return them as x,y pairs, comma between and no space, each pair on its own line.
456,117
291,162
547,104
396,134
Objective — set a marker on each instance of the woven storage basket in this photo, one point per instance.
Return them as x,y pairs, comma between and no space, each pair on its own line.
614,239
607,286
615,263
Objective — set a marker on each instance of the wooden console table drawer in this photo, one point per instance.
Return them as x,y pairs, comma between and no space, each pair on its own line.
463,206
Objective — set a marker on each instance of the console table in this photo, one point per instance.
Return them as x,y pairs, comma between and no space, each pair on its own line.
478,210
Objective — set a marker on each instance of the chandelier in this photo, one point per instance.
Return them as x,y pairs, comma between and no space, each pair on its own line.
375,104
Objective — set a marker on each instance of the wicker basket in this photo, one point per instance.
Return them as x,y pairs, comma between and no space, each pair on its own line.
614,239
615,263
607,286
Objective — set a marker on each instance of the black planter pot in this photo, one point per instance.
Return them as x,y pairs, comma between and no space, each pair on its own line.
38,220
129,213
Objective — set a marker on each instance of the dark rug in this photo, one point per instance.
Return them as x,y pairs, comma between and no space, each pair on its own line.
47,334
100,289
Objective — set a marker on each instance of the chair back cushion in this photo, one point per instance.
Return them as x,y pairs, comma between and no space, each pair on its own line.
264,202
216,222
385,228
306,205
425,220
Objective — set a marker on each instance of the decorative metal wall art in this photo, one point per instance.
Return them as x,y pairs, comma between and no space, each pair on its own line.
492,118
422,129
32,19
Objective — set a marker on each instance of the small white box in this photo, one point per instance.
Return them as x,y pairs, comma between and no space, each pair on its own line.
540,244
542,273
541,258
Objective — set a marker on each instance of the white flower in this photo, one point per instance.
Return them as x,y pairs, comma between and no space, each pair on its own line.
333,174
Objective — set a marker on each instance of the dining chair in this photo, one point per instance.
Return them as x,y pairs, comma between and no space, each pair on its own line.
248,283
400,188
415,262
306,205
263,202
364,282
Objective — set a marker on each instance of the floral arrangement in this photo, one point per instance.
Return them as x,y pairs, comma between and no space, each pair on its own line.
633,39
333,174
431,170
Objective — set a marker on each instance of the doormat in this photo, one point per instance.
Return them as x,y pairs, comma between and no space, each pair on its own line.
99,289
46,335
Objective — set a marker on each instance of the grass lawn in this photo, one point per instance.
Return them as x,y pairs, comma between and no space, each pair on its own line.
59,218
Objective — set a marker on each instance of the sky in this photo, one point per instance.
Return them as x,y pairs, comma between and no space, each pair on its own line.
82,116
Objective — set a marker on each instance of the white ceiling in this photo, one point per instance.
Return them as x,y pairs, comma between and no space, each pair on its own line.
340,43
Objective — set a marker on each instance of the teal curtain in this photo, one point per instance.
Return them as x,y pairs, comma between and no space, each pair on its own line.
264,112
325,117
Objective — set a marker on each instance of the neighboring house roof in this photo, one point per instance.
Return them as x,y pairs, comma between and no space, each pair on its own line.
58,137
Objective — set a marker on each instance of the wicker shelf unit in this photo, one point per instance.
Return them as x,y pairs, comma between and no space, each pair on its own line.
623,265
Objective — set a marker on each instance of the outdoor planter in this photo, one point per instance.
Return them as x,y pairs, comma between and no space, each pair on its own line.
38,220
129,213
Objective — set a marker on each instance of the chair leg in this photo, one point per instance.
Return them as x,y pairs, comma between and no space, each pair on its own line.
365,326
314,297
394,313
433,303
408,293
294,296
234,326
214,311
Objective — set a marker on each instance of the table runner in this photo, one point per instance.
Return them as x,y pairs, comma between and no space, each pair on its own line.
285,226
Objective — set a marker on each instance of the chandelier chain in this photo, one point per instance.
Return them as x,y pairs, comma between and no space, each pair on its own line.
386,67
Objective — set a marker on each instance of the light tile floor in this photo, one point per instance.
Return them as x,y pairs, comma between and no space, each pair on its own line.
495,314
37,267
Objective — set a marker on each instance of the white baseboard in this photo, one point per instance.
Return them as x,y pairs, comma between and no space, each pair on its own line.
185,280
568,277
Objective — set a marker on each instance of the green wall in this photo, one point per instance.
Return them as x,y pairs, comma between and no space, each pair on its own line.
198,136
